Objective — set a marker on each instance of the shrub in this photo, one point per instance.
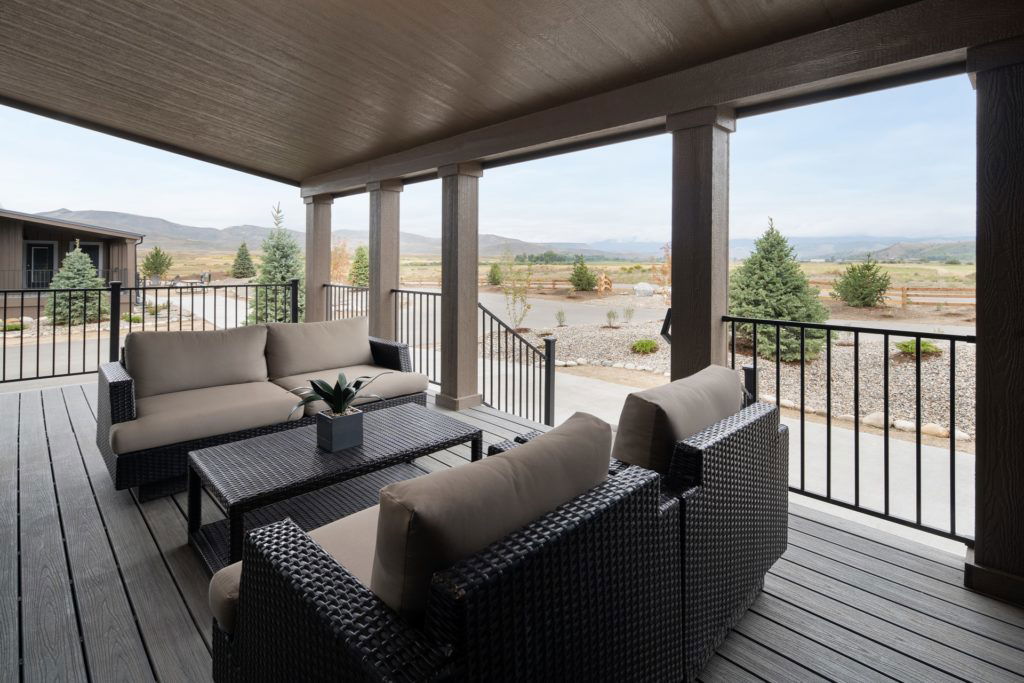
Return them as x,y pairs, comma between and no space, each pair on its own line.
494,274
645,346
771,285
560,317
243,266
515,285
862,285
582,278
627,314
153,309
613,317
13,327
909,347
131,317
74,308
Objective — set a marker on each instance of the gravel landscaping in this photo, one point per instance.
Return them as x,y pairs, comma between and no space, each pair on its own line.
598,345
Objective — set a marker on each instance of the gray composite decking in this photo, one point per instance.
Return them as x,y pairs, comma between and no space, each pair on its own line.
96,586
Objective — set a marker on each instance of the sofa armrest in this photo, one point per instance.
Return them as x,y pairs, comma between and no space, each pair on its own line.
391,354
302,616
116,394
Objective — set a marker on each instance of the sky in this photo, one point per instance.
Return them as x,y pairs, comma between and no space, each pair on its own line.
897,163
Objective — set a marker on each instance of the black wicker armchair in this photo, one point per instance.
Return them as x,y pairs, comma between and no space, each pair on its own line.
161,470
590,591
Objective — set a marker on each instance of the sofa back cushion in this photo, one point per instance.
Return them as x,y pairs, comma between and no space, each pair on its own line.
429,523
653,420
295,348
165,362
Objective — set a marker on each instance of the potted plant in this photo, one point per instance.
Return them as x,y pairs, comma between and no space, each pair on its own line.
341,425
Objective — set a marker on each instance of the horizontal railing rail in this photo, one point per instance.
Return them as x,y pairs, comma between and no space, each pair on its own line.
346,301
899,475
65,332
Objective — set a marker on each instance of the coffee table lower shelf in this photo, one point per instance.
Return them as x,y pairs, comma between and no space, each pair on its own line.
310,510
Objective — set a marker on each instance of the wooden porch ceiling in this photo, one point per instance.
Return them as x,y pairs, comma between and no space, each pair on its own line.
292,90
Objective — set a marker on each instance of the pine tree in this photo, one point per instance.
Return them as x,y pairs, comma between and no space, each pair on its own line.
243,266
156,263
862,285
494,275
77,272
582,278
771,285
359,275
282,261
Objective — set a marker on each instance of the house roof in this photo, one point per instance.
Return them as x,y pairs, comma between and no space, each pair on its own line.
73,225
291,90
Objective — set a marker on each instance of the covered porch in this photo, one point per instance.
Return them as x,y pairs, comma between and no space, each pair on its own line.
103,587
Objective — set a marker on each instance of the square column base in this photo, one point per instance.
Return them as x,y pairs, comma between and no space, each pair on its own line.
993,582
459,403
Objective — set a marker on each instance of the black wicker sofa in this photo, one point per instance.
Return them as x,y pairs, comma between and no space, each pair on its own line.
639,578
174,392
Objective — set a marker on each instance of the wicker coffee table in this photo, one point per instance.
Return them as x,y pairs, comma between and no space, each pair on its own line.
268,478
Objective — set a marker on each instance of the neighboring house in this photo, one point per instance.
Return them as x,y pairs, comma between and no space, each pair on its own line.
33,247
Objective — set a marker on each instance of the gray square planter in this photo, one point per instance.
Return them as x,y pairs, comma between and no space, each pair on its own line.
338,432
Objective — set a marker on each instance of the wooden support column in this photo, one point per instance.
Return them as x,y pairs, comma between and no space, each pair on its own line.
996,565
384,255
459,259
700,237
318,254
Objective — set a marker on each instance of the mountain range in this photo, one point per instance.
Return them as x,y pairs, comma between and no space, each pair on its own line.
178,237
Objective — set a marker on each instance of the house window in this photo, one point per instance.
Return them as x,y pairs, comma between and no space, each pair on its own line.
95,252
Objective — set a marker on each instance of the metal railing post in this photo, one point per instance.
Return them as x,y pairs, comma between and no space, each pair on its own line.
549,381
295,299
115,321
750,381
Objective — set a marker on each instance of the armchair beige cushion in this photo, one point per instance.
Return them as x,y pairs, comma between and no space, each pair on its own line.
350,541
429,523
200,413
297,348
390,385
653,420
166,362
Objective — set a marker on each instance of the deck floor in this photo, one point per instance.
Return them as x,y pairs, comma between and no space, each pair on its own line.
96,586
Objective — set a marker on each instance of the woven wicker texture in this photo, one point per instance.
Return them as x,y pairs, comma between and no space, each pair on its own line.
734,521
308,511
588,592
390,354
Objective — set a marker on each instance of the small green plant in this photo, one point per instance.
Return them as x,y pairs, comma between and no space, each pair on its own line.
131,317
613,317
560,317
909,347
645,346
13,327
339,397
627,314
862,285
154,309
582,278
494,276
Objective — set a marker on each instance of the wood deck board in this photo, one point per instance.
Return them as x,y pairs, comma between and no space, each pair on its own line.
847,603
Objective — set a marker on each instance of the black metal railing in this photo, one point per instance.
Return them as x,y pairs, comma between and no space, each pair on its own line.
346,301
63,332
418,324
517,377
878,484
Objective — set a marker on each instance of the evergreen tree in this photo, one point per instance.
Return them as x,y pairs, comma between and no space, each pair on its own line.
771,285
77,272
282,261
862,285
582,278
156,263
494,274
243,266
359,275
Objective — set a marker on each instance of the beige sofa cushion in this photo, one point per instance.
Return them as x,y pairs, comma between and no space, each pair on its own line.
653,420
198,413
165,362
386,386
429,523
296,348
350,541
